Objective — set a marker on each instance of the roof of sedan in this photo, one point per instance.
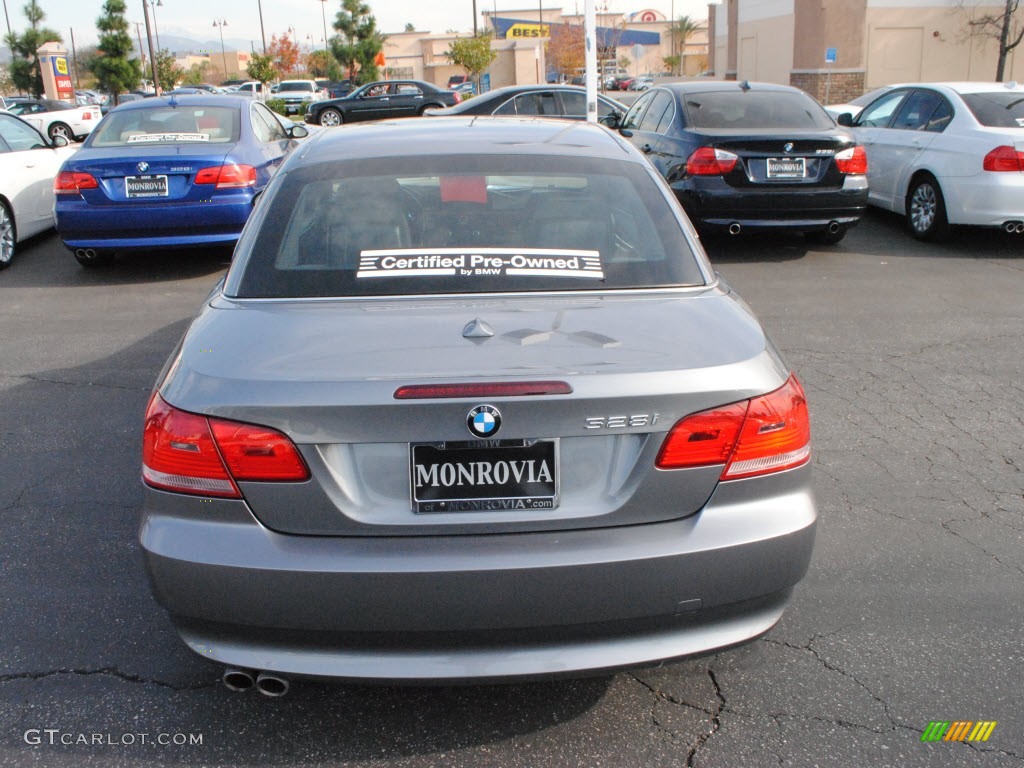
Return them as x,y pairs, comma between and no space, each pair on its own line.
703,86
202,99
465,135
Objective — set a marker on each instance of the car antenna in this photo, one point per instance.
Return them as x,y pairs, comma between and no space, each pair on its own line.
744,86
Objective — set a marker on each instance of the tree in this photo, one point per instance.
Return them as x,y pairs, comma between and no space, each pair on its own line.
195,75
6,84
410,27
567,49
323,64
624,62
115,72
473,54
358,41
24,69
671,62
285,53
681,31
167,70
1006,28
261,68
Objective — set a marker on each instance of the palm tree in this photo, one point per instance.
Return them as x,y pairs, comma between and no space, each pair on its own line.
682,31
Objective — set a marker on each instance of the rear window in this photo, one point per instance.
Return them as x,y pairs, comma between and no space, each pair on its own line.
183,124
738,109
1002,109
429,225
293,86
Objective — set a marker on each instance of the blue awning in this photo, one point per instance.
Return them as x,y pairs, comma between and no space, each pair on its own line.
606,36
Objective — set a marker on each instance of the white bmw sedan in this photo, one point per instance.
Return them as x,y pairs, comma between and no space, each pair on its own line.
28,164
946,153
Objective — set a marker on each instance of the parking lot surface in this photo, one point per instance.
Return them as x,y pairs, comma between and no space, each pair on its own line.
912,356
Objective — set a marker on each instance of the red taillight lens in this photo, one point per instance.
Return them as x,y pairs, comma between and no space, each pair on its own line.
258,453
708,161
458,97
188,453
73,182
228,176
494,389
1004,158
853,160
756,437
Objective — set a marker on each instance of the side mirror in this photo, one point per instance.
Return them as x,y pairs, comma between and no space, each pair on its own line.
845,120
626,132
298,132
60,141
611,120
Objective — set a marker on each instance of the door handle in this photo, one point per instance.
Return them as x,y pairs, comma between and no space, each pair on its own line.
385,98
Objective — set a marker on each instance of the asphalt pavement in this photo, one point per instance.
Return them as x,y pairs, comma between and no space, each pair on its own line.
912,356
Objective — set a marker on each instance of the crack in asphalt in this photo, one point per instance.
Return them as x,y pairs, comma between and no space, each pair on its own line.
716,720
111,671
981,515
43,380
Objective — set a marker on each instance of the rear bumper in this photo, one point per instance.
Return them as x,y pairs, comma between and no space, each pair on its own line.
438,608
713,204
986,200
164,225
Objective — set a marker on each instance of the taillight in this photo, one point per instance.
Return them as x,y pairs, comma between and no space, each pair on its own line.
708,161
87,115
189,453
766,434
458,97
73,182
228,176
1004,158
853,161
494,389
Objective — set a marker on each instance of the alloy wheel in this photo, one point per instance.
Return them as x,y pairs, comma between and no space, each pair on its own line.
6,237
923,208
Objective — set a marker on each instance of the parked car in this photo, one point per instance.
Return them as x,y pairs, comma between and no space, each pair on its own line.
167,172
752,156
381,100
251,88
296,93
28,163
566,101
58,118
854,106
622,83
592,457
946,153
455,80
640,84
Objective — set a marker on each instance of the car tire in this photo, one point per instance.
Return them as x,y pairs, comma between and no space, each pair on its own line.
926,210
98,258
824,237
8,236
60,129
331,117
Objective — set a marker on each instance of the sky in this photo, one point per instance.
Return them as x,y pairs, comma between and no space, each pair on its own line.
194,18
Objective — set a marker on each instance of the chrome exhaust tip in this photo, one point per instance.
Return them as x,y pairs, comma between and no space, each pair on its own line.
833,227
271,685
734,228
237,679
1019,229
1010,227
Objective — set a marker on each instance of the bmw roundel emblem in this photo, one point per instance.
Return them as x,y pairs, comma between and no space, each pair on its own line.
788,147
484,420
143,166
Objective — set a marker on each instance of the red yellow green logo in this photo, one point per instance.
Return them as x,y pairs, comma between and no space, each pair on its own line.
958,730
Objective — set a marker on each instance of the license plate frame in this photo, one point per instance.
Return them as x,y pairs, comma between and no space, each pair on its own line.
449,480
161,189
799,171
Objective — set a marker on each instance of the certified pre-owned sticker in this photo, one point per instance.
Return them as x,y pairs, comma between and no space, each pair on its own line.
461,262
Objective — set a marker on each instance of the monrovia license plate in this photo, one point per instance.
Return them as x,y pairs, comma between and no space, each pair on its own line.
145,186
786,168
484,476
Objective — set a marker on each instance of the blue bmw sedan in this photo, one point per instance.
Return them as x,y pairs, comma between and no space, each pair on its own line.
170,172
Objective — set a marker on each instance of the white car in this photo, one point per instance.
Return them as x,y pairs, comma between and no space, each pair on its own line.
854,106
28,164
946,153
58,118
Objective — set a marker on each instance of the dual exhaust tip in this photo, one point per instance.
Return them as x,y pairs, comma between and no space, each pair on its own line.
1014,227
267,683
833,227
85,253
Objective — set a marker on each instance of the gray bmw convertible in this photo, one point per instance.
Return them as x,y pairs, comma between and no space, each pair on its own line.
471,404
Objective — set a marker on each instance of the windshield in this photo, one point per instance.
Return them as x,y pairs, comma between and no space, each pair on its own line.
296,87
1002,109
167,125
428,225
744,110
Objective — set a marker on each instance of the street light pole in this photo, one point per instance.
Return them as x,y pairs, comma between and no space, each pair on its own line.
323,12
259,5
221,23
8,20
149,40
156,29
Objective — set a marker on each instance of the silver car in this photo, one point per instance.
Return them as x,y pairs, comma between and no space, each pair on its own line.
471,404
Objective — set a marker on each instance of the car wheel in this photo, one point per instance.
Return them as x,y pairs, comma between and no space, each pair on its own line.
331,117
90,257
926,210
425,107
824,237
59,129
7,236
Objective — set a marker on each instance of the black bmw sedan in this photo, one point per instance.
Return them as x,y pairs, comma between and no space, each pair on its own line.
752,156
381,101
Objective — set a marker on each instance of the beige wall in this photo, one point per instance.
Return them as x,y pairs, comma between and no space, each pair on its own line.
822,24
930,43
766,49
